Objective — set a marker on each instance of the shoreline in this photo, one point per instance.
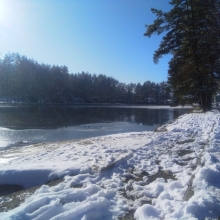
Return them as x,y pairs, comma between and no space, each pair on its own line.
113,105
143,170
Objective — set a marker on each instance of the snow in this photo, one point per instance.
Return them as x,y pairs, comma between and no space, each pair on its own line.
144,175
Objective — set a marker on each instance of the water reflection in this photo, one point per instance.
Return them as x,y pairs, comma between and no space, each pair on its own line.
20,126
45,117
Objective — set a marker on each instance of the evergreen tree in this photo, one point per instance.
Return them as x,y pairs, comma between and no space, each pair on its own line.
23,80
192,36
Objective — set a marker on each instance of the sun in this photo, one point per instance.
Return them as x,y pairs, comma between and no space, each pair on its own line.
4,12
12,15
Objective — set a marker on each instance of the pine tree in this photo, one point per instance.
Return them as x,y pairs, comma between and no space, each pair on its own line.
192,36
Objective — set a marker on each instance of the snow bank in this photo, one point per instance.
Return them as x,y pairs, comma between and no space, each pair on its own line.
111,176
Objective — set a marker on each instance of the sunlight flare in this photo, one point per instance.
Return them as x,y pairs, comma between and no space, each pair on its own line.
3,12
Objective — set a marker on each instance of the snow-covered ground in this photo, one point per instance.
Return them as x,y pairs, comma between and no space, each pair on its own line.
173,173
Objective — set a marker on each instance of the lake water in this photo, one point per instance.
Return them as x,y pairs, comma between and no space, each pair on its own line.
27,125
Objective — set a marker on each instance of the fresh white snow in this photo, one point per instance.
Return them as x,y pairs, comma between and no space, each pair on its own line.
145,175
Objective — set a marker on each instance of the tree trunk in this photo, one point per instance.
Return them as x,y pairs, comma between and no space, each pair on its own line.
209,100
206,100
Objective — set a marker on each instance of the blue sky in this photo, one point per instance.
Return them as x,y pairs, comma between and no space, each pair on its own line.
95,36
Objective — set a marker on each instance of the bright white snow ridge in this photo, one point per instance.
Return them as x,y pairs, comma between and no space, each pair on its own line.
173,173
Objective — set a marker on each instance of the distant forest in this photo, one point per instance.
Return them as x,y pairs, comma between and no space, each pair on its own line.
24,80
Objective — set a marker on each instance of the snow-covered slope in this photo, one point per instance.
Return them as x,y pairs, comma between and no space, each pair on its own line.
170,174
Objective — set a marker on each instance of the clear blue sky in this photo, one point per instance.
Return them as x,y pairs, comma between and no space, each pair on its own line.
95,36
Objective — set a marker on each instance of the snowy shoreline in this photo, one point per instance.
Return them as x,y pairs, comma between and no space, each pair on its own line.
170,174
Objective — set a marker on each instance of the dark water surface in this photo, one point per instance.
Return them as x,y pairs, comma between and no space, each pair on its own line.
26,125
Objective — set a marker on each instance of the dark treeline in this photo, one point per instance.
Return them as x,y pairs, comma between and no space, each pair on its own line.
25,80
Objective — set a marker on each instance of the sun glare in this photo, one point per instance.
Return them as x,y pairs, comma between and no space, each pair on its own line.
3,12
8,13
12,17
11,12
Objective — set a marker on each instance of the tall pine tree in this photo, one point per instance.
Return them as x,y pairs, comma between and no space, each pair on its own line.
192,36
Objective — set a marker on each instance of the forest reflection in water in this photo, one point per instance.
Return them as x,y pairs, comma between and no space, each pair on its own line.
50,117
20,126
